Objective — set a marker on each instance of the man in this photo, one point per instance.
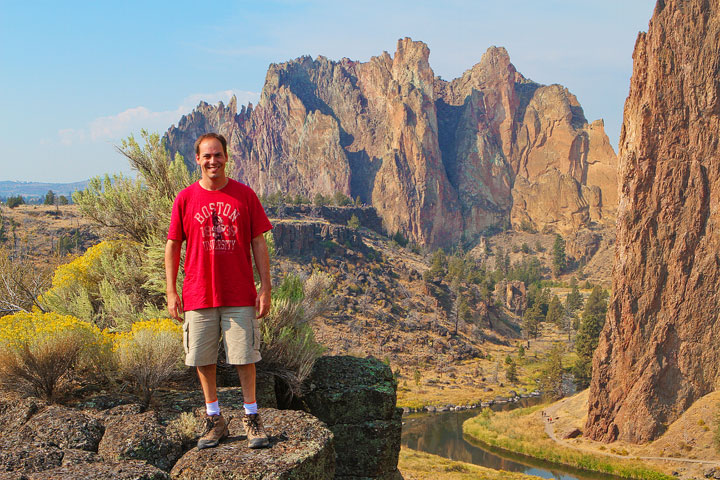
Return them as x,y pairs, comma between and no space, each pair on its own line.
222,221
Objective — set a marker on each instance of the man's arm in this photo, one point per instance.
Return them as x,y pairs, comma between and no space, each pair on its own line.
172,263
262,262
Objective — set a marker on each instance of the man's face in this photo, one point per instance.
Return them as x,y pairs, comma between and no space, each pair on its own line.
211,159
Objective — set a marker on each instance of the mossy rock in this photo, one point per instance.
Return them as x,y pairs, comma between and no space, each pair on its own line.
140,437
370,449
345,389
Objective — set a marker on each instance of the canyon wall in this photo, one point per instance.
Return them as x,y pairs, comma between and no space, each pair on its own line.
658,351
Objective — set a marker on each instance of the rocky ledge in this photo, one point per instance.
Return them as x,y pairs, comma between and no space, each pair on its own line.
112,437
122,443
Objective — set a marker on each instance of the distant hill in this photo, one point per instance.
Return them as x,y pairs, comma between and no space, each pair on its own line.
31,190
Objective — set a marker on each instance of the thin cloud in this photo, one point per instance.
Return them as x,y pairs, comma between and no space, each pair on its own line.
132,120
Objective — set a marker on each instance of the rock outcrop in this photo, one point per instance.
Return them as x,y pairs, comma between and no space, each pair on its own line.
658,350
438,160
356,398
108,436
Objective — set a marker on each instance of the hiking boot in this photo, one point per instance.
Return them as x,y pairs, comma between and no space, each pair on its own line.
216,429
257,438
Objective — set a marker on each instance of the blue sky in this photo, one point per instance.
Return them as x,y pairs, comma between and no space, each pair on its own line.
77,77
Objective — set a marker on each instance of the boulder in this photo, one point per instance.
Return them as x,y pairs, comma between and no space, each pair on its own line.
62,427
516,296
301,447
572,433
371,447
356,398
26,458
582,245
140,437
127,470
345,389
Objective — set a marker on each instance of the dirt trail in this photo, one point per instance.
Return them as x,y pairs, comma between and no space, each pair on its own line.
551,412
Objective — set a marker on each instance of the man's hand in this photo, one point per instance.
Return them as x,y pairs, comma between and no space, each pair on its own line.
174,306
262,302
172,262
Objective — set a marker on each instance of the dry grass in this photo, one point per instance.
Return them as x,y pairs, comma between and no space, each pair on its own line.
416,465
186,427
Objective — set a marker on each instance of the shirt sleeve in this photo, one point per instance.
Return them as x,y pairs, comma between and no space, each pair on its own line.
176,232
259,222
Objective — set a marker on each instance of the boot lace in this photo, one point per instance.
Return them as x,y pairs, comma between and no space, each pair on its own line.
251,422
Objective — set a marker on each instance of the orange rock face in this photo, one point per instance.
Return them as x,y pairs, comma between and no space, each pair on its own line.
658,352
437,159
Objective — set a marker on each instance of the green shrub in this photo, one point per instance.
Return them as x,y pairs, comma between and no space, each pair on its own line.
354,222
288,346
341,200
15,201
40,351
149,353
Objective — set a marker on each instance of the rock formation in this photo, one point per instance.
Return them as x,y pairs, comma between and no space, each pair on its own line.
658,350
438,160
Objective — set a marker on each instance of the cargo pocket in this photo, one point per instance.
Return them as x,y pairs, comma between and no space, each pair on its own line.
186,337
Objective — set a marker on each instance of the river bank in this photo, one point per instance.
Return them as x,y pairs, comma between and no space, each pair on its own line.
553,433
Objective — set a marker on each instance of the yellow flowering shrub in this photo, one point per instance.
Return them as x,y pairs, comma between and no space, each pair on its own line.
39,351
149,353
80,269
105,285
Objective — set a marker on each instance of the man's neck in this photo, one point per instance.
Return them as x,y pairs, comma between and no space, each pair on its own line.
213,183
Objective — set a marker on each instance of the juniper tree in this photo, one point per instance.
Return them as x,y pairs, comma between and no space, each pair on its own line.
593,319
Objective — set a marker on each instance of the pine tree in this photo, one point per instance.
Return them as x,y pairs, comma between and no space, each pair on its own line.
593,319
511,372
49,198
531,320
555,311
559,260
574,300
552,374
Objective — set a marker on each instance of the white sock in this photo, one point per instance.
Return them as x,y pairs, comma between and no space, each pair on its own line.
250,408
212,408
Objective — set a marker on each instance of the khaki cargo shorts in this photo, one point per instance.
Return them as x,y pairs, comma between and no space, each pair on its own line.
237,326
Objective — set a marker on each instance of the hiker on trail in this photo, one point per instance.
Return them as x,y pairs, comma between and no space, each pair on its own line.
222,222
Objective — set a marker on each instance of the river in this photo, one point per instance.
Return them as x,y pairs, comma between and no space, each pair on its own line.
441,434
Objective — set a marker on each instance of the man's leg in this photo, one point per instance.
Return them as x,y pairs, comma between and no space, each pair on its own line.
247,381
241,331
207,374
201,337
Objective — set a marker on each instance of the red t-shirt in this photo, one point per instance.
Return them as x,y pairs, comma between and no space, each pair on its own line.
218,226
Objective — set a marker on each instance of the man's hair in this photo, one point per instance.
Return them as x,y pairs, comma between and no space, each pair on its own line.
207,136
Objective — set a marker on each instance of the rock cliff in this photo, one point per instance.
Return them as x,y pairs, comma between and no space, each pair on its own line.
439,161
658,350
